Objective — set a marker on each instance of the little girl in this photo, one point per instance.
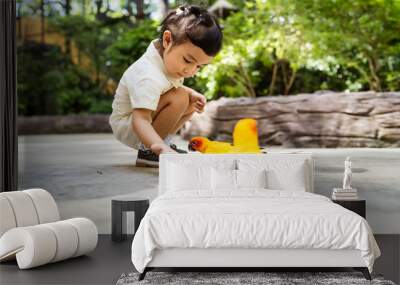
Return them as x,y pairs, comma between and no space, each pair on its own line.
151,103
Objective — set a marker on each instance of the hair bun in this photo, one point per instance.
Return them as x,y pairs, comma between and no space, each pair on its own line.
195,10
195,24
205,19
180,10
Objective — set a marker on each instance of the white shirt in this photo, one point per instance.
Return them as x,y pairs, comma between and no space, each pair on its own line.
141,86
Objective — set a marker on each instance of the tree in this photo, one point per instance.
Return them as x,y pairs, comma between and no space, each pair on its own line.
283,46
261,44
129,47
42,22
362,34
140,15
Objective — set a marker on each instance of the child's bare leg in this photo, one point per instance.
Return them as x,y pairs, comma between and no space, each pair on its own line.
172,108
186,116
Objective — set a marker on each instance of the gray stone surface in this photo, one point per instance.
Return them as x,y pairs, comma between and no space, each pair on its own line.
84,172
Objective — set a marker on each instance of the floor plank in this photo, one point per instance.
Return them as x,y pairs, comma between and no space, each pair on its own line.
111,259
103,266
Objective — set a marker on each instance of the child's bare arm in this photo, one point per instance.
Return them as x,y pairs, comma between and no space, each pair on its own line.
197,101
141,125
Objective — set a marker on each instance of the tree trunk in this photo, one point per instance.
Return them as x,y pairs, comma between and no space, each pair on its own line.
140,15
247,79
363,73
129,7
19,21
273,78
42,23
83,6
290,84
67,9
287,80
373,67
99,4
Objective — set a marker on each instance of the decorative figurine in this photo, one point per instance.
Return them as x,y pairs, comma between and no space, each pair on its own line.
347,174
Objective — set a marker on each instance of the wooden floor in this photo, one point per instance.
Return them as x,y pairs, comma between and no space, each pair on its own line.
103,266
111,259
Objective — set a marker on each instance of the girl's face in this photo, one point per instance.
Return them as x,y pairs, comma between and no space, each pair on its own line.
183,60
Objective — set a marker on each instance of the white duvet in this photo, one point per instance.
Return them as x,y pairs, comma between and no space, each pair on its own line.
250,219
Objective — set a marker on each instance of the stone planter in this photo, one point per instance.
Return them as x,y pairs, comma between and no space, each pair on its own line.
69,124
359,119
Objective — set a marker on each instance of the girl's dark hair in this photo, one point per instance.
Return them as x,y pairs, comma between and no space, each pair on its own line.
194,23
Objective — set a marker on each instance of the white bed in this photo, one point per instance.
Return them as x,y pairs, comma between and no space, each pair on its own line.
214,211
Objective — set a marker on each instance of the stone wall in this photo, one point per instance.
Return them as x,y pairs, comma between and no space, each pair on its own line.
68,124
359,119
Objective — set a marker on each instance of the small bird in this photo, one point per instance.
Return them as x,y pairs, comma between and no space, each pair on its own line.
205,145
245,140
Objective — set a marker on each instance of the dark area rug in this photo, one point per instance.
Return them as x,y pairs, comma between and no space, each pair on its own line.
242,278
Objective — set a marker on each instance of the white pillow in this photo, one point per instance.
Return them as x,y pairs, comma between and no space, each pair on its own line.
293,180
223,179
251,178
188,177
287,175
231,180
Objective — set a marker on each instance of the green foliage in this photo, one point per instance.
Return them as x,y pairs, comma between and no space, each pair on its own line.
49,84
92,38
363,35
283,46
130,47
270,47
203,3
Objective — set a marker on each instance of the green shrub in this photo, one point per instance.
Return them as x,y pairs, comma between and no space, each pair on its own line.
49,84
290,47
130,47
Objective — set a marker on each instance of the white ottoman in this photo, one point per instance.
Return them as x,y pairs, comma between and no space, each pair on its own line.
31,232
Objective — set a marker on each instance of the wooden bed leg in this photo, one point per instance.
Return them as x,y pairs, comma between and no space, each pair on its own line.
364,271
143,274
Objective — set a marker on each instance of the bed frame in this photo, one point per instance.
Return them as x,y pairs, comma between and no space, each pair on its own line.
248,259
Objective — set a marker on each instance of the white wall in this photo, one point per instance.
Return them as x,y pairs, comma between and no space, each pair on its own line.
376,175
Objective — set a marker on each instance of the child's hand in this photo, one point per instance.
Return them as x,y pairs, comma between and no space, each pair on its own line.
197,101
159,148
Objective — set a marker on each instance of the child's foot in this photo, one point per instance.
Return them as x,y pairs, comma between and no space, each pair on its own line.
178,150
147,158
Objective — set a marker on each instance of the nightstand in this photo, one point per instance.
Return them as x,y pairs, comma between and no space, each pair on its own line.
119,207
357,206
